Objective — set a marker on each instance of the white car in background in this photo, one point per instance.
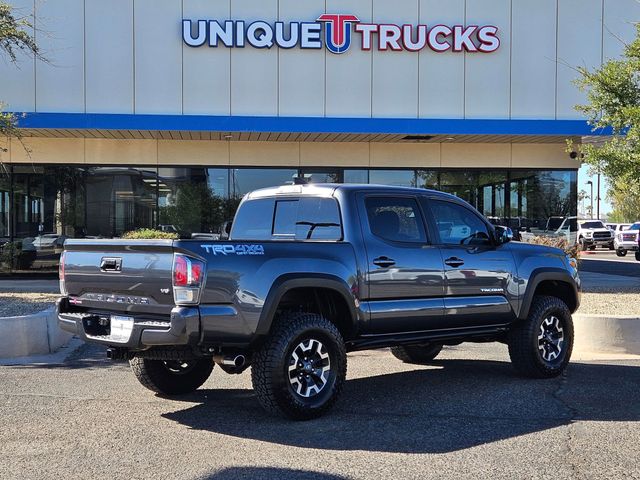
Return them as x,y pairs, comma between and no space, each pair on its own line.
626,238
594,233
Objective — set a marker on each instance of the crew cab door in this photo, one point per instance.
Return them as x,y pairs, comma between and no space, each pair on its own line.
404,271
480,283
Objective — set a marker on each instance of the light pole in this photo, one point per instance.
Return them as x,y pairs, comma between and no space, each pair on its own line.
598,198
590,183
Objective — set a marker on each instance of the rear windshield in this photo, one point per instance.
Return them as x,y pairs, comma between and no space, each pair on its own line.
307,218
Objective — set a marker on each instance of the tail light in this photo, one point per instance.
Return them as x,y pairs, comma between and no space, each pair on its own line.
63,287
188,279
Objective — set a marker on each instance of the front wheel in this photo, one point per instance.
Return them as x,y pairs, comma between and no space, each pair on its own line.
638,256
621,253
541,345
300,369
416,354
583,245
171,377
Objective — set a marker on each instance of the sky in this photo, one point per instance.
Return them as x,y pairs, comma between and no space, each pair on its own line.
583,178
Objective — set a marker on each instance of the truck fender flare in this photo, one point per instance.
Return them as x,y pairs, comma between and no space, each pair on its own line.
305,280
538,276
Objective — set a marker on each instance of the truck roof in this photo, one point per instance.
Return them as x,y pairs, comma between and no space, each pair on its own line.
329,189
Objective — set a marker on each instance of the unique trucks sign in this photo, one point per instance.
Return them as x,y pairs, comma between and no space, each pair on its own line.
336,32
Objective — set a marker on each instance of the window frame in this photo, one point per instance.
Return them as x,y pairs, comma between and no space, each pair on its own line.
431,219
422,220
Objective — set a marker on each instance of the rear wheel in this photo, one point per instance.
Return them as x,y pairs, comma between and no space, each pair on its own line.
621,253
611,246
541,345
171,377
416,354
300,370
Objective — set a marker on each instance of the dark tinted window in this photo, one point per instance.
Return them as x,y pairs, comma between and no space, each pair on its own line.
254,220
395,219
303,219
458,225
284,221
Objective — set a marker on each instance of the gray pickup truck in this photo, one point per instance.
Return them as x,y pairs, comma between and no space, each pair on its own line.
309,273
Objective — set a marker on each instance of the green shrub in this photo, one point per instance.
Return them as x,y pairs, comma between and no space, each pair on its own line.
557,242
149,233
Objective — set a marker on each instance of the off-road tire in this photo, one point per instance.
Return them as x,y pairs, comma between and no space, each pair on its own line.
611,246
417,354
638,256
523,339
270,366
621,253
164,378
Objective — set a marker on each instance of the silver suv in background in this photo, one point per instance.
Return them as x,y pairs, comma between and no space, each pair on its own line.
626,238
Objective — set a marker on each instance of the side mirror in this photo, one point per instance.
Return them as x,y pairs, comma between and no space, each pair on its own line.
503,235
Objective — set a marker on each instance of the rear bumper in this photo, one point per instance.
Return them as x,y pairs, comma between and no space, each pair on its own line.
182,328
630,245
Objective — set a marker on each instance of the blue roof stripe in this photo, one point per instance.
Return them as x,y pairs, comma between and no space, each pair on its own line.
399,126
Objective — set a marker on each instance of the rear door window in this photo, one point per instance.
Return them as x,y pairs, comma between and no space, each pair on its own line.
395,219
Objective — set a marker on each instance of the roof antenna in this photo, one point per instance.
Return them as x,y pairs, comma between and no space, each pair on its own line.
300,181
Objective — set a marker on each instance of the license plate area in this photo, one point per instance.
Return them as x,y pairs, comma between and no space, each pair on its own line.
120,328
115,328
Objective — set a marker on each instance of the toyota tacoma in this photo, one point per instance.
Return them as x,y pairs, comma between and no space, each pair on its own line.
309,273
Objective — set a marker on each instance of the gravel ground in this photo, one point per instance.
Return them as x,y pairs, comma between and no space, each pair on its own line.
610,303
15,304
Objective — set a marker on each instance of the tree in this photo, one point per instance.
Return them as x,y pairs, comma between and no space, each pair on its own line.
613,94
14,38
625,198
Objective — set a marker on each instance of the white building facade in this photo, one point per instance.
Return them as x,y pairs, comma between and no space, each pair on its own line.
163,113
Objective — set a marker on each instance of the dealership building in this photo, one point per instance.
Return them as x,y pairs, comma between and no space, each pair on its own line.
164,113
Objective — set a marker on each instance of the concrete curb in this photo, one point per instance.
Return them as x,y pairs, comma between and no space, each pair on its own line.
36,334
607,333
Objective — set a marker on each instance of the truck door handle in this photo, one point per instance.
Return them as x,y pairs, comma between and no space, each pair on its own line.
384,262
454,262
111,264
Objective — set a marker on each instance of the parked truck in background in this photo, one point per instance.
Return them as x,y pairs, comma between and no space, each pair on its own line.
309,273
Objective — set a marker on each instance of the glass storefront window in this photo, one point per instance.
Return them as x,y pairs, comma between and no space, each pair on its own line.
322,176
356,176
42,205
120,199
461,183
427,179
5,195
492,190
537,196
193,200
245,180
401,178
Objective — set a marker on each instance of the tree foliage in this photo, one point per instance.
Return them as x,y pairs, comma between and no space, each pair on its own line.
613,94
14,38
624,195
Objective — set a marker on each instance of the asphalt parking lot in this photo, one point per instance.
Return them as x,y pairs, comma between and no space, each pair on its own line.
467,416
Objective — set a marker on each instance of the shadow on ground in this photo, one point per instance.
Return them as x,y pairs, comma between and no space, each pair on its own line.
453,405
268,473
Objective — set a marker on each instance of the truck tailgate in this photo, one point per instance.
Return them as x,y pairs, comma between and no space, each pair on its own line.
120,275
